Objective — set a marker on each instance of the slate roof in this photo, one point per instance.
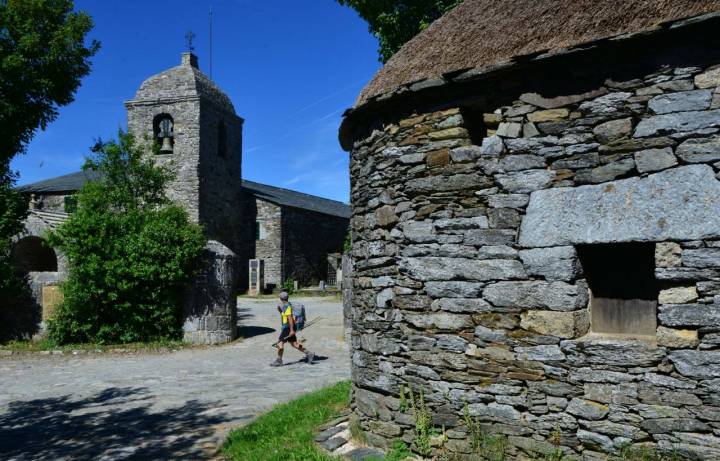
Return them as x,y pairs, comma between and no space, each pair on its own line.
296,199
72,182
66,183
483,34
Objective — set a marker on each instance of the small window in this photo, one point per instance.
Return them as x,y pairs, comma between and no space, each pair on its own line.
222,139
260,231
473,120
623,287
164,133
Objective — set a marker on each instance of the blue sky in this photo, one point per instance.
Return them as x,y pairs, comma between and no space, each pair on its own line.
290,67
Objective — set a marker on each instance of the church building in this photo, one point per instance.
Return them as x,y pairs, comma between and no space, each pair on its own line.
200,136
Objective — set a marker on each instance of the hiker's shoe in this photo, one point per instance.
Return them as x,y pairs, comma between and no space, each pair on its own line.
277,363
310,357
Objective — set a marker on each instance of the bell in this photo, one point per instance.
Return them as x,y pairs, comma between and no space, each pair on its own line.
166,145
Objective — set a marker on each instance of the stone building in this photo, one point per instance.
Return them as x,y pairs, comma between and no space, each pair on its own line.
200,138
536,229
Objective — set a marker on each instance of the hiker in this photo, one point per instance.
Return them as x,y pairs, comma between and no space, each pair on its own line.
288,331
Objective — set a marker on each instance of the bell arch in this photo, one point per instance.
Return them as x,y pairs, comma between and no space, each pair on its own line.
164,132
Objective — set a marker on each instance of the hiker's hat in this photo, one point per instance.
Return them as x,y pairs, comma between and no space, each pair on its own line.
284,295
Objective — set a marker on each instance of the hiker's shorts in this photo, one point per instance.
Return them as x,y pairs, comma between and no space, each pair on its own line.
284,336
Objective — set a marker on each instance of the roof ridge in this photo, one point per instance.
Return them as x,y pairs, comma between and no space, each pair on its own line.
296,192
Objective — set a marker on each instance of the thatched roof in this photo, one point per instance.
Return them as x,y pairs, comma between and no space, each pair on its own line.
483,33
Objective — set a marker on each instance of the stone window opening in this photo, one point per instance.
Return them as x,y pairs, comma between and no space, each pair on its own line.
222,139
33,254
473,118
164,133
623,288
260,231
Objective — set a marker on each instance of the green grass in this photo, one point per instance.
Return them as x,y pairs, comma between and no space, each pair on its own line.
286,432
49,345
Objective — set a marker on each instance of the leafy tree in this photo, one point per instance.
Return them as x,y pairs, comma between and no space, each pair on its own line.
43,57
13,209
394,22
131,252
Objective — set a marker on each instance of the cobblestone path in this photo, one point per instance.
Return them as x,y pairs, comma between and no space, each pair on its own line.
176,405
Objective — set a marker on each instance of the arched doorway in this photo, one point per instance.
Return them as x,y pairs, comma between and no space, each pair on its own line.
33,254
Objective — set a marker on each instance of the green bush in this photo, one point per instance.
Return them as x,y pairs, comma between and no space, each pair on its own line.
131,253
288,286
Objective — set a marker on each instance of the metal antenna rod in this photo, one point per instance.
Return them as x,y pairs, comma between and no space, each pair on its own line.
210,66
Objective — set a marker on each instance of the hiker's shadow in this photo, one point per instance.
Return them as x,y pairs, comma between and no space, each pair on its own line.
246,331
244,314
318,358
116,423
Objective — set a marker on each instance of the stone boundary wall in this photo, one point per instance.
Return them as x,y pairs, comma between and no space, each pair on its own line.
447,301
210,305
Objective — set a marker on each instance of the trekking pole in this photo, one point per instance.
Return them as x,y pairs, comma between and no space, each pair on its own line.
307,325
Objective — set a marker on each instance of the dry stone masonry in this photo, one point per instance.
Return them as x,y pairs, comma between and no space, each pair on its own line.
550,264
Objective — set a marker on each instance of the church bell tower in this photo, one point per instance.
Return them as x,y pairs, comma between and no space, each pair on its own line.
198,136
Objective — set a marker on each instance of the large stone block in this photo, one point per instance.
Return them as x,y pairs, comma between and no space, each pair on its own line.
613,130
667,254
708,79
440,320
701,257
654,159
689,315
670,337
696,364
493,237
566,325
681,101
587,409
608,352
456,182
462,305
677,122
542,353
526,181
700,150
557,263
678,204
537,295
453,289
678,295
440,269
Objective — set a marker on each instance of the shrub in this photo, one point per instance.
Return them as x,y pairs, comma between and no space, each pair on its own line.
131,253
288,286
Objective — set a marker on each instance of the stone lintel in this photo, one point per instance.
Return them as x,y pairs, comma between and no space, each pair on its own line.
678,204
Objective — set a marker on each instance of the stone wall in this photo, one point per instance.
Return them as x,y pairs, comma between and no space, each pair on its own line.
184,161
308,237
210,305
50,202
467,283
268,246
